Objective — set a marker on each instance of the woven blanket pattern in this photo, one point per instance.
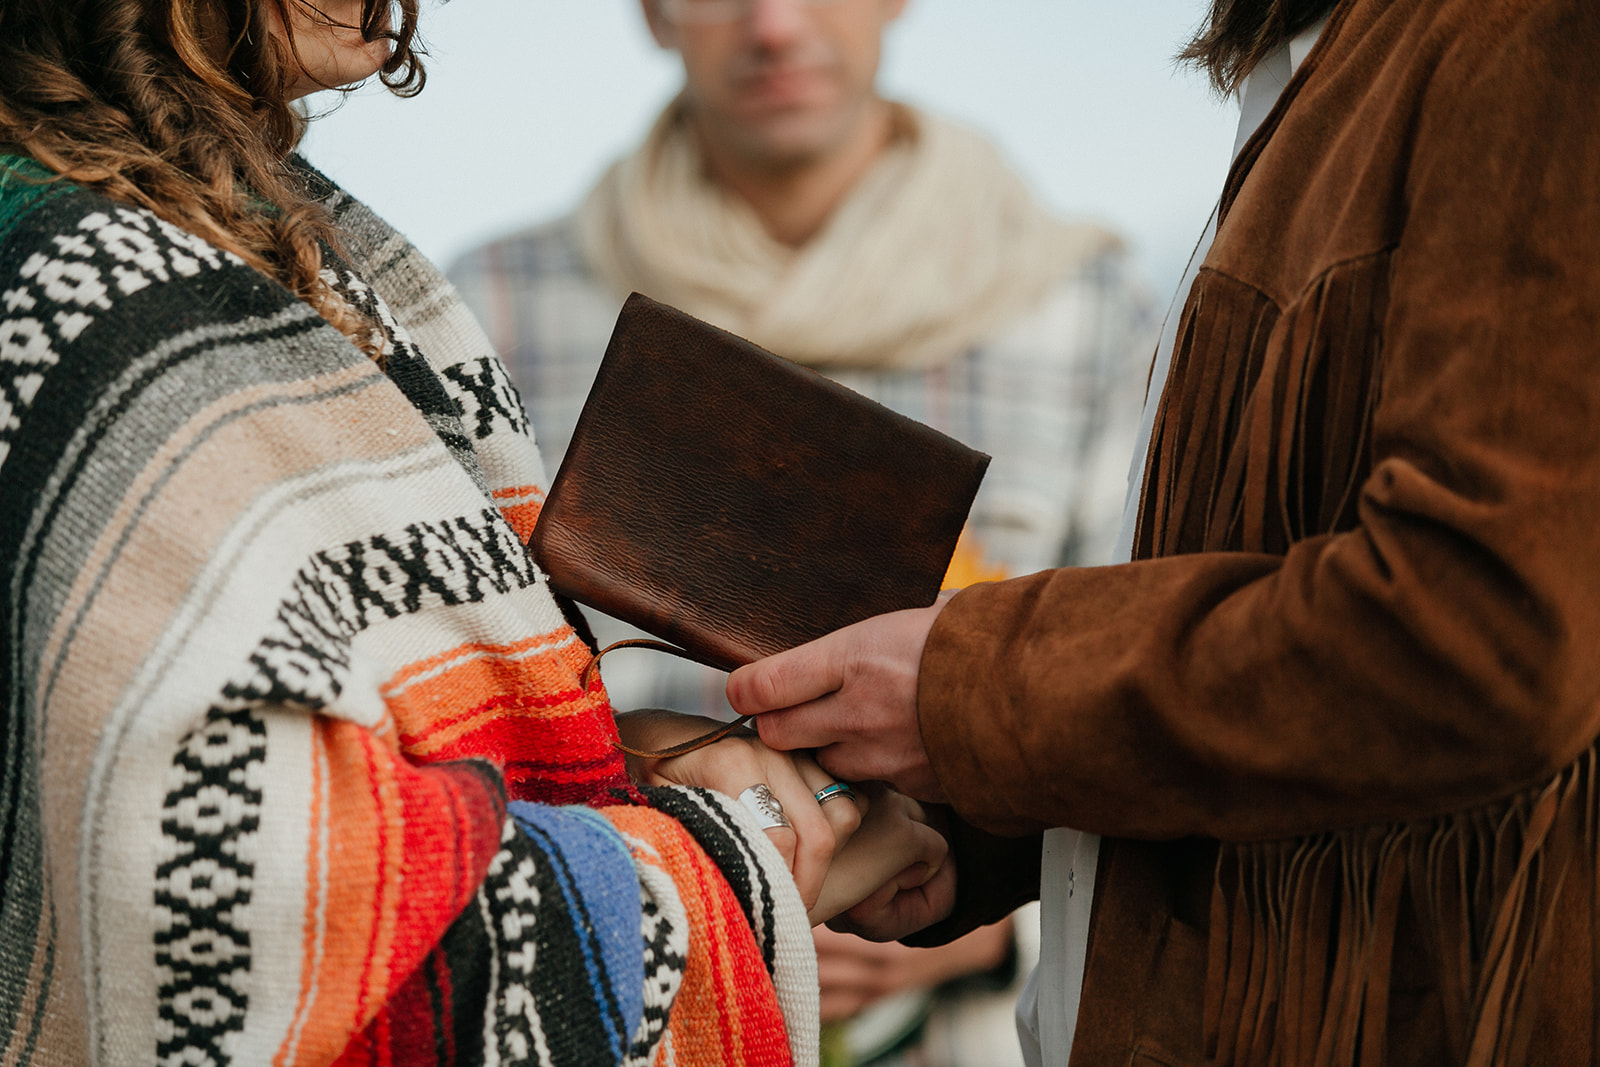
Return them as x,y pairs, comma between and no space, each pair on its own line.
298,766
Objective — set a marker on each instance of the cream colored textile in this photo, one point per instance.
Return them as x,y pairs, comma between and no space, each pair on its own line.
939,244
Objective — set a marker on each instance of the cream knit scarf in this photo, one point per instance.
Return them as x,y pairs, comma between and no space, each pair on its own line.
937,246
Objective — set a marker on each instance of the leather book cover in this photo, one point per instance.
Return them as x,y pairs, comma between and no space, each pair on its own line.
736,504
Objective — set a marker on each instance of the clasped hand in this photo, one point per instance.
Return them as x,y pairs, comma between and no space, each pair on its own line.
841,853
851,697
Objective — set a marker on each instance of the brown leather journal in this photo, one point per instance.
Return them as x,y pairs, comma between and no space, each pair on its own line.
736,504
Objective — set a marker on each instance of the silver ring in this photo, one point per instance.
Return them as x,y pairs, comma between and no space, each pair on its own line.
837,789
764,806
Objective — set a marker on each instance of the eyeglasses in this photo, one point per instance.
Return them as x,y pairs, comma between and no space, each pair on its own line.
707,12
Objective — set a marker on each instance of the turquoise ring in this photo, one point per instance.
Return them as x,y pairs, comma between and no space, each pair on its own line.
837,789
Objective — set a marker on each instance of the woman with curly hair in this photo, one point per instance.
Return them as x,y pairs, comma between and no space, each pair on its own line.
301,763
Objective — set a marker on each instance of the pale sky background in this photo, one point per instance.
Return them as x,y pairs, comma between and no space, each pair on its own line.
528,100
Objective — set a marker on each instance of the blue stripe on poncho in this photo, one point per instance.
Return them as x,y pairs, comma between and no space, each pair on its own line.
595,875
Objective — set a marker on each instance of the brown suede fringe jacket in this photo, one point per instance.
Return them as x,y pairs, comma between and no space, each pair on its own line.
1337,722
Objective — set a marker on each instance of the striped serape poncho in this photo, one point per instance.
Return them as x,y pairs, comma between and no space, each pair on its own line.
298,766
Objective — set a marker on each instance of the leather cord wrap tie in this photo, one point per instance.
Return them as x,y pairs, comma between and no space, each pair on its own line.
686,747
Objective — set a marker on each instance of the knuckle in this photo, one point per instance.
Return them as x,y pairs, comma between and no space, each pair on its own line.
774,687
844,816
770,728
750,689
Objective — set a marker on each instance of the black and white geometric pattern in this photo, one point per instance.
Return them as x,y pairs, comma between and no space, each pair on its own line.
54,298
490,403
509,901
665,928
733,853
212,808
305,657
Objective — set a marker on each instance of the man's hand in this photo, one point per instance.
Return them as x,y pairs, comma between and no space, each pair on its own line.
852,696
815,832
910,902
895,845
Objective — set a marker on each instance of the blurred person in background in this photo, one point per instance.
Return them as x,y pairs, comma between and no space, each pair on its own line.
781,197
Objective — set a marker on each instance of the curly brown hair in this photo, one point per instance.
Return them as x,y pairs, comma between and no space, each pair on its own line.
1238,34
184,107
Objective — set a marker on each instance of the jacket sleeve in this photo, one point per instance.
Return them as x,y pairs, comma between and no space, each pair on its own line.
1437,654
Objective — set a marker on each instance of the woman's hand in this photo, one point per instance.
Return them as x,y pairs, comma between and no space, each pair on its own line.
815,831
894,852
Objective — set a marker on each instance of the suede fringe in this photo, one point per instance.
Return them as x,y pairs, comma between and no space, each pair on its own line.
1304,932
1277,461
1259,405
